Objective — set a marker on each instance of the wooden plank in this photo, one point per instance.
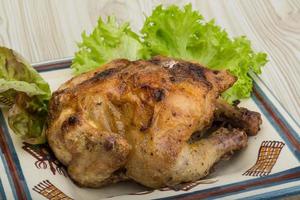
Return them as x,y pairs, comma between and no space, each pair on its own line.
48,29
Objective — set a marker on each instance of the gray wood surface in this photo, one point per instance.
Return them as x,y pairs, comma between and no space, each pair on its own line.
44,30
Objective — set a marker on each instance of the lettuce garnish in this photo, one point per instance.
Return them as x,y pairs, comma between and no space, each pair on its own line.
108,41
25,94
172,31
178,33
184,34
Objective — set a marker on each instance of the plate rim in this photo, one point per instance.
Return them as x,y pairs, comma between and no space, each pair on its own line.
261,100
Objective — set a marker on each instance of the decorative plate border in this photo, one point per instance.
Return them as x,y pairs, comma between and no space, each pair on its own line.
12,164
287,133
2,192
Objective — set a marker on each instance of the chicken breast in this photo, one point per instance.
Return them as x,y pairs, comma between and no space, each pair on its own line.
135,119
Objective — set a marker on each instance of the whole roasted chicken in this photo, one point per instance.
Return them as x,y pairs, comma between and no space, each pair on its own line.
158,122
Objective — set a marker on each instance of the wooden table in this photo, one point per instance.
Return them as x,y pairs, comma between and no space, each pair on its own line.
45,30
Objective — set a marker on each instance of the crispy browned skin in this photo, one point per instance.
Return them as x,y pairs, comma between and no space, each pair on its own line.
134,119
242,118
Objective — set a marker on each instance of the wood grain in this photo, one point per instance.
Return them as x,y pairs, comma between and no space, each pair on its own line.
44,30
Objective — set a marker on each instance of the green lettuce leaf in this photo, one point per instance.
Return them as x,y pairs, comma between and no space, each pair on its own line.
178,33
25,94
182,33
108,41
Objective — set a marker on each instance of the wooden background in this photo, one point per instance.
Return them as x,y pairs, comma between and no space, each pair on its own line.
44,30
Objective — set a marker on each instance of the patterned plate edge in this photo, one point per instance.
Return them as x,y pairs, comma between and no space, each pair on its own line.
289,135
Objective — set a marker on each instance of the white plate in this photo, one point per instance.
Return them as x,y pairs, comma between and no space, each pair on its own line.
268,167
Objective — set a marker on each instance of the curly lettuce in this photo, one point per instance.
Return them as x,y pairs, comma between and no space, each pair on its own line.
178,33
108,41
25,94
172,31
183,33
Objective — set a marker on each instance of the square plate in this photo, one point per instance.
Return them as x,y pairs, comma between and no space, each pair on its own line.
268,167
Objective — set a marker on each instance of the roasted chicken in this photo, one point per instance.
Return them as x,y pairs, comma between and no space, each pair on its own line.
158,122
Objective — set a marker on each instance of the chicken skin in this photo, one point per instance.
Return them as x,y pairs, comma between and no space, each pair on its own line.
135,120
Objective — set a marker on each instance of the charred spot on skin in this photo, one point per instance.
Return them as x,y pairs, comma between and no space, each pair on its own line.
120,171
158,94
199,71
219,79
184,70
236,102
104,74
145,87
172,79
200,74
73,120
143,128
163,80
246,113
109,143
109,95
215,72
155,61
99,76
